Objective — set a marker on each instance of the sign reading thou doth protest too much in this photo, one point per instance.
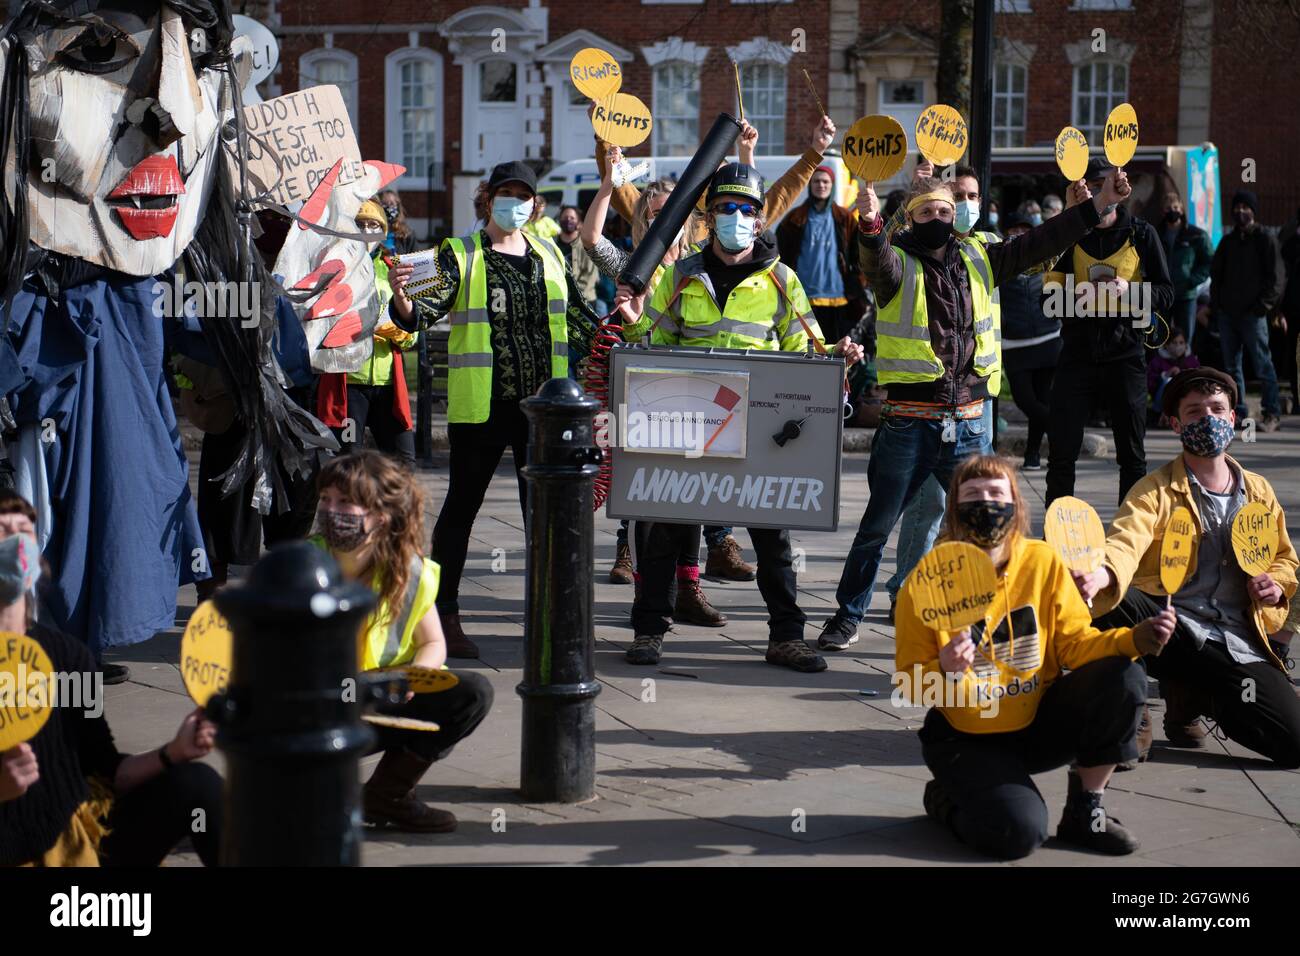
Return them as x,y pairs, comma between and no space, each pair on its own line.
953,586
294,141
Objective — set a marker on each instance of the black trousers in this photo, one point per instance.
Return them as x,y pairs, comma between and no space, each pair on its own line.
837,321
1031,389
476,451
1089,715
372,406
148,822
1121,386
1255,704
457,712
657,564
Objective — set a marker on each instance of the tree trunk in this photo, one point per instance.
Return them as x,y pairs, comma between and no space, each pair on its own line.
956,40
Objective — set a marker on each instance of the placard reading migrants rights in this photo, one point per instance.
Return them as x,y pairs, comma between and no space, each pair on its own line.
308,131
792,485
941,134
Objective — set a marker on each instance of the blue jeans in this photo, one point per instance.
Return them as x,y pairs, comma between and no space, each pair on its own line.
904,453
714,535
917,531
1249,332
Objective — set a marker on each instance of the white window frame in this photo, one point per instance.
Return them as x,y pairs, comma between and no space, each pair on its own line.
759,51
660,113
1017,132
416,179
1107,5
1095,131
309,62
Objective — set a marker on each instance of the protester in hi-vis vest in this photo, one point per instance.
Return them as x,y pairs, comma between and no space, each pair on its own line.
734,293
1003,705
935,352
375,395
515,312
1102,354
370,518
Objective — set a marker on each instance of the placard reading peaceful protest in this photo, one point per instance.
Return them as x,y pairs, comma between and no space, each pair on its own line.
205,653
26,689
308,131
953,586
875,148
1255,538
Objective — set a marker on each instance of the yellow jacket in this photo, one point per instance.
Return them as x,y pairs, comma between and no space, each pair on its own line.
1133,543
1049,630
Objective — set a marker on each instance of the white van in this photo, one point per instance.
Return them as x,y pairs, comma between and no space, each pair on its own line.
575,183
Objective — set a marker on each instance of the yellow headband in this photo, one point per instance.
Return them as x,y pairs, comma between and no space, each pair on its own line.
938,195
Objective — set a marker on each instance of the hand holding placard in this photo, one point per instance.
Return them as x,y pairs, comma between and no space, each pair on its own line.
618,118
1176,551
1075,532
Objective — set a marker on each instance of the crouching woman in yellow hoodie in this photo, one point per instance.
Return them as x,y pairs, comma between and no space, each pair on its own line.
1002,708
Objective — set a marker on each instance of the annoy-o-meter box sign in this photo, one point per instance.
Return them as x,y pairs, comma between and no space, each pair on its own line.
693,435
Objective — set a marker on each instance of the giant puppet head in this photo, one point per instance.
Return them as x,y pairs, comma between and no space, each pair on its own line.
124,99
340,321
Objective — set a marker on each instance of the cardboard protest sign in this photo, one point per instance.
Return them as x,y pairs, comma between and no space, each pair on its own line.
595,73
1072,153
205,653
941,134
26,689
400,723
421,680
1255,538
621,120
1121,134
953,586
1176,550
426,270
875,148
1073,529
307,132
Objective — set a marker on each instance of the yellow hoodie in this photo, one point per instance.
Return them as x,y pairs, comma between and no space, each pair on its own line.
1050,629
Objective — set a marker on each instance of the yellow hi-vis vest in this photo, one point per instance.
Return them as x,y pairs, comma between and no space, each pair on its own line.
995,377
904,353
762,312
469,345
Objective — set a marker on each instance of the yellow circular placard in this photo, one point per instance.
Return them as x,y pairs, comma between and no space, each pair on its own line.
1176,550
621,120
1072,153
421,680
595,73
953,586
205,653
1073,529
1121,134
1255,538
875,148
26,689
941,134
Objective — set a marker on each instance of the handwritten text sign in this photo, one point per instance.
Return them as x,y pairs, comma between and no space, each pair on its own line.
595,73
953,586
1255,538
1121,134
621,120
941,135
1073,529
1072,153
421,680
26,689
875,148
205,653
307,132
1176,550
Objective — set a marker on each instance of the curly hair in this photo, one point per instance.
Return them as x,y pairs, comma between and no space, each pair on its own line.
388,489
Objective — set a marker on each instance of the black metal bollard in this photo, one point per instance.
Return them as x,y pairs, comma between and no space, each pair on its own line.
558,760
290,731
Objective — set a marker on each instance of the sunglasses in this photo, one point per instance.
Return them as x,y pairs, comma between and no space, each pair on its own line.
744,208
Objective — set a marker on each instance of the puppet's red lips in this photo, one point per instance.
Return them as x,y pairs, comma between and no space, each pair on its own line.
146,199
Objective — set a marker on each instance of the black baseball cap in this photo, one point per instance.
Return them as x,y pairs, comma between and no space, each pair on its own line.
1098,168
512,172
1182,383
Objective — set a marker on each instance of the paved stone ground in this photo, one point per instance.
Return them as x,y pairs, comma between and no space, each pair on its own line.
736,761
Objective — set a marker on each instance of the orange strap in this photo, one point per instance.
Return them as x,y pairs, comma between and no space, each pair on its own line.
817,343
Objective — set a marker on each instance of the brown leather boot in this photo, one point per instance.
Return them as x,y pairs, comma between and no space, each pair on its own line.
621,572
388,798
458,644
725,562
692,607
1183,710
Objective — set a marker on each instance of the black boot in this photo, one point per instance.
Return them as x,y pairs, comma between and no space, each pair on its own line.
1085,823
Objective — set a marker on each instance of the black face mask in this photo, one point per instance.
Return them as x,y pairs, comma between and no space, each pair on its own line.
1243,218
933,234
1173,218
986,523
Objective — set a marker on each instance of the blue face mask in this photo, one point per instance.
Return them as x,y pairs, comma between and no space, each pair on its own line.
20,566
735,231
510,213
1207,437
1036,218
968,211
993,219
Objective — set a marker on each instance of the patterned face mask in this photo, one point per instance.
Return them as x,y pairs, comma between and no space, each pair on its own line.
342,532
986,522
1207,437
20,566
